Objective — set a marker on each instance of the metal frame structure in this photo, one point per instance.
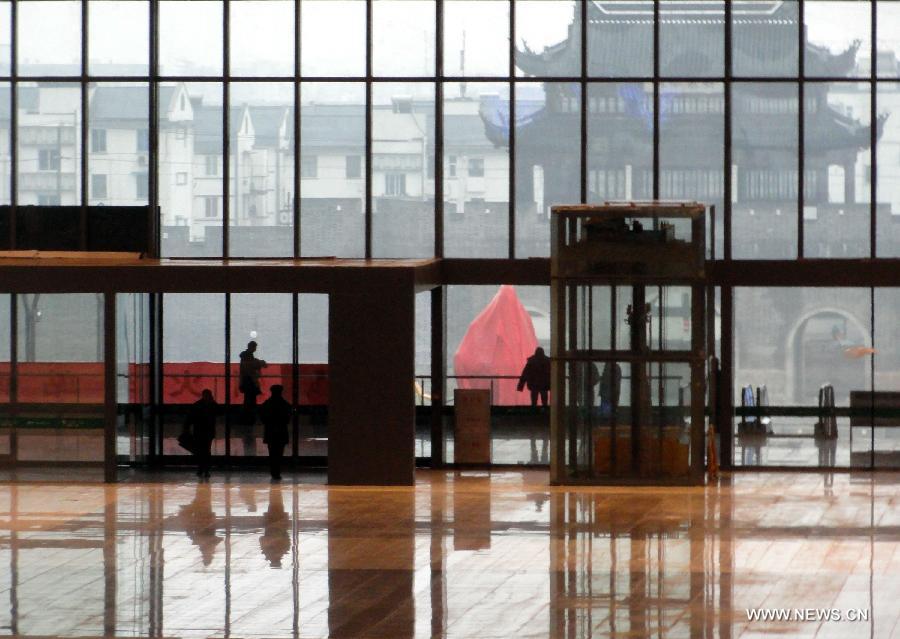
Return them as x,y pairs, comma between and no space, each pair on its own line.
593,250
438,80
724,272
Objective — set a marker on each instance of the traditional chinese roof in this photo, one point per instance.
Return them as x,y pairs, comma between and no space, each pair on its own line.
764,40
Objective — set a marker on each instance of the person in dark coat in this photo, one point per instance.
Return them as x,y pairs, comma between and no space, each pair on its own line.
201,418
275,413
536,376
249,386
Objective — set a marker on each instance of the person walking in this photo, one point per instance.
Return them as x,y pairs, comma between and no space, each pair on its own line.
201,423
275,413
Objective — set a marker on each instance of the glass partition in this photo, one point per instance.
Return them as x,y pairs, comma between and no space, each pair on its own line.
6,414
312,332
60,378
802,362
193,361
134,412
491,333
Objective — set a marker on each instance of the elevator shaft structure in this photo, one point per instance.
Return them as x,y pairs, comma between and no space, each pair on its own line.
628,343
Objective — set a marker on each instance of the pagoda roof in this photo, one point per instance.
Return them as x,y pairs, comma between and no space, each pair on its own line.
618,34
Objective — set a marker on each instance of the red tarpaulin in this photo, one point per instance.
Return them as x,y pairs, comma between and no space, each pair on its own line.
498,342
82,382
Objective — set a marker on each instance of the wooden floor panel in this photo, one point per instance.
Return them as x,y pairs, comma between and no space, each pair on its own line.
468,555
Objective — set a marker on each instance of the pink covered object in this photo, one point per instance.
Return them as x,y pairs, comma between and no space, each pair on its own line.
498,342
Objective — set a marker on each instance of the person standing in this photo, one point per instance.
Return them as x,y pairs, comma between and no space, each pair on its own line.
536,376
249,387
275,413
201,418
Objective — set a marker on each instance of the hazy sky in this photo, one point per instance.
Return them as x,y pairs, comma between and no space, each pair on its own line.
333,33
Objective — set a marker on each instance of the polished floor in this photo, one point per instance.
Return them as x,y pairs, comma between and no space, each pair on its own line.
468,555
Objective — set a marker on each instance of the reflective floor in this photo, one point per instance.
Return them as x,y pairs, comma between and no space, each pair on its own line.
459,555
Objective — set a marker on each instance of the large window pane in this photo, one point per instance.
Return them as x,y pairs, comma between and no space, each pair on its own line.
691,148
764,171
60,377
5,39
476,37
190,37
888,65
541,25
119,37
332,169
888,159
118,138
689,44
193,361
620,39
887,377
322,54
837,31
403,37
133,377
261,196
835,190
5,143
515,321
790,344
49,143
312,329
190,169
49,37
402,170
548,160
5,371
423,384
476,172
765,38
620,142
262,37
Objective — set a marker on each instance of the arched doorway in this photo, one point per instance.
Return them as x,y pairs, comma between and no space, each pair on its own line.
817,353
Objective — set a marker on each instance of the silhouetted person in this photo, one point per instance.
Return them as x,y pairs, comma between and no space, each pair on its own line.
249,386
200,523
610,385
536,376
201,418
275,413
275,541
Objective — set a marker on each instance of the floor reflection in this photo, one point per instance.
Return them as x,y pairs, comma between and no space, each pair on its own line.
471,554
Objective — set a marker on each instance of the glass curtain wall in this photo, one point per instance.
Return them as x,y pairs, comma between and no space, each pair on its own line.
450,128
428,128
